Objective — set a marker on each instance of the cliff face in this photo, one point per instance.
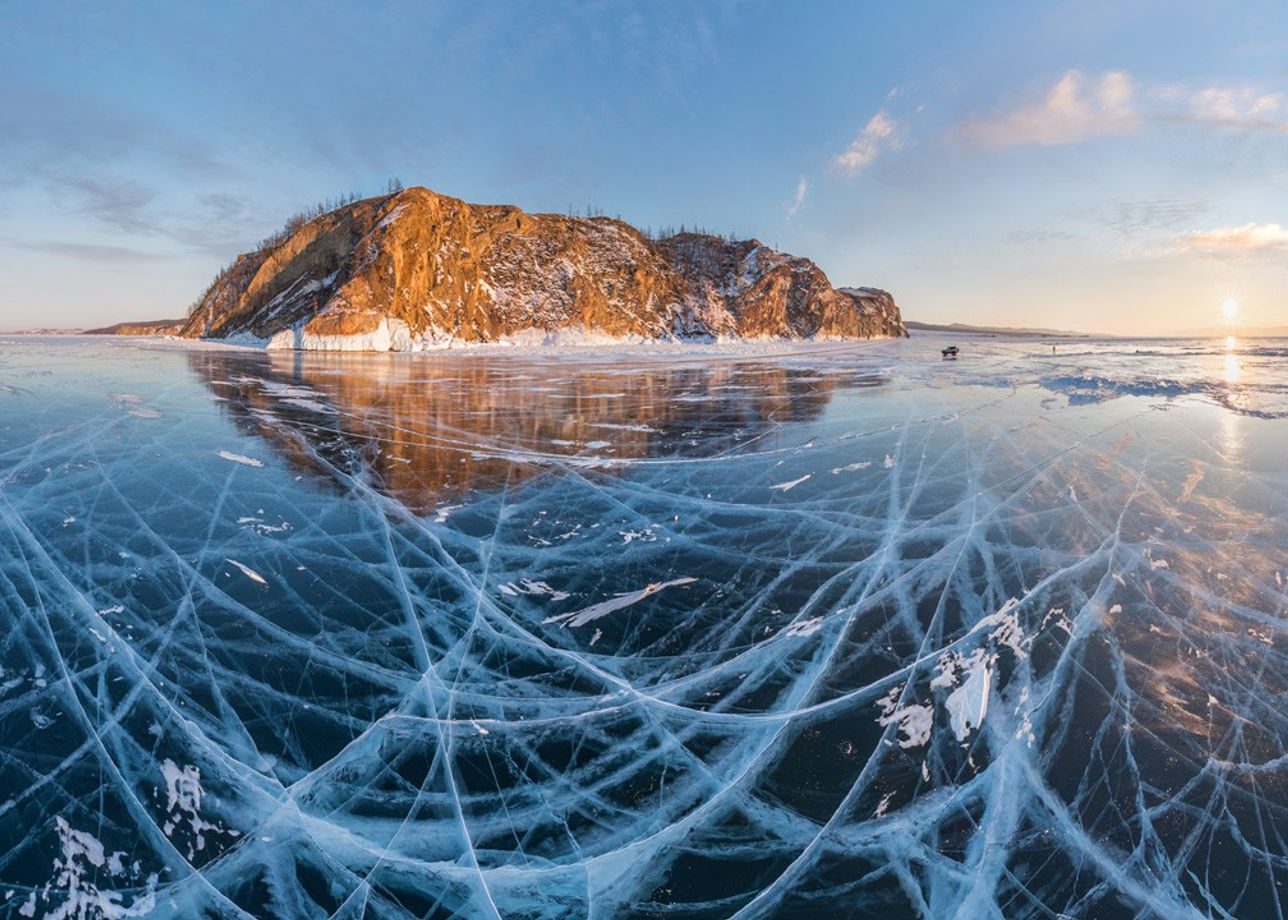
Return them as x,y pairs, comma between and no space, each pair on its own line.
416,267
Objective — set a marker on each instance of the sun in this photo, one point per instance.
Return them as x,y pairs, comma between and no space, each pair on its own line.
1230,308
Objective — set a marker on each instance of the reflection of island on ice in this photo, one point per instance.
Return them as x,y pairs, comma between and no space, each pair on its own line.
423,432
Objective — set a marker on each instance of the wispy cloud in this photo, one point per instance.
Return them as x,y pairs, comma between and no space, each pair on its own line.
1073,110
220,225
1041,235
1229,106
798,200
880,134
89,252
1078,108
1133,218
1233,241
121,205
216,224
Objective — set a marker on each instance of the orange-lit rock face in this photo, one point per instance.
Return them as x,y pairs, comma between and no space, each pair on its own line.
478,273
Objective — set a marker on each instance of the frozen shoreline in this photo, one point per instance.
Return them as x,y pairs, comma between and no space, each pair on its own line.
529,346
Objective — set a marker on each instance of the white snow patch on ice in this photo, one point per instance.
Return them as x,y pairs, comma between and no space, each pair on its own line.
530,587
603,608
850,467
784,486
968,704
248,571
240,458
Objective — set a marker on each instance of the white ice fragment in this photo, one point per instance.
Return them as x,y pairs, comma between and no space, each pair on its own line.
888,462
77,844
479,728
968,704
1116,608
240,458
442,512
73,893
804,627
1260,636
183,805
1158,564
646,535
599,634
248,571
1007,622
603,608
915,725
784,486
530,587
621,427
861,465
914,722
883,805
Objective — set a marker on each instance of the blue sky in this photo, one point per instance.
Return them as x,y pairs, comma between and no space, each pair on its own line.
1099,166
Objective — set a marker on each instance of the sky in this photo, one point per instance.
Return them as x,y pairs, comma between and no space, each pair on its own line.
1101,166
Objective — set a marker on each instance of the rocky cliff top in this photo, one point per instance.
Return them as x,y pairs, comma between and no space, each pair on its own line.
414,268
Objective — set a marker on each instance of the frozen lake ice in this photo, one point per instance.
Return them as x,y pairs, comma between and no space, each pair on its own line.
778,631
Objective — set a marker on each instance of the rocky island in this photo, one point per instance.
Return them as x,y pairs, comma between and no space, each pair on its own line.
415,269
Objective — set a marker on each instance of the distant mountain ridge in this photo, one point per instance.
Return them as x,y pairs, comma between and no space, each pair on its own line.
965,328
145,327
413,269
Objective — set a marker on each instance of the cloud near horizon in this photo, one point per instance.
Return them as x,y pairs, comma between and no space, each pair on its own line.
1071,111
1078,108
1232,241
880,134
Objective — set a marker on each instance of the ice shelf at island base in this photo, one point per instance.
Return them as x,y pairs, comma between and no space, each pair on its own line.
395,335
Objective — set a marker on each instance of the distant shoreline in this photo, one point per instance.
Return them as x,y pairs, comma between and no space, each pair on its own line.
1016,332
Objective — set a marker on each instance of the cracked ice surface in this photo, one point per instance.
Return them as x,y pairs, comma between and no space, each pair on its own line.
818,630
